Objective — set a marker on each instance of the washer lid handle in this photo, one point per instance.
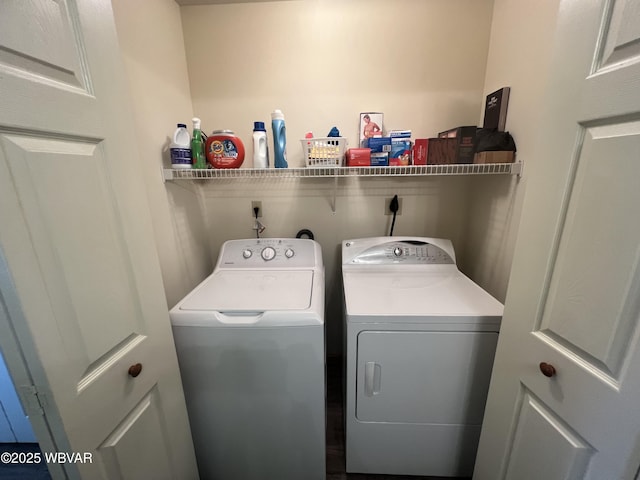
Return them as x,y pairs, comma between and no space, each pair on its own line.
239,317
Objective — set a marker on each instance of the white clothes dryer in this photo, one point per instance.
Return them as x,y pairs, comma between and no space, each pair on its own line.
420,341
250,343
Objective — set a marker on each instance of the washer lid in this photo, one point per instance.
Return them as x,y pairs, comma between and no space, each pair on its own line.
418,294
252,291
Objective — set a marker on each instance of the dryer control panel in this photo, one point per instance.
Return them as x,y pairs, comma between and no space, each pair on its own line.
270,252
405,251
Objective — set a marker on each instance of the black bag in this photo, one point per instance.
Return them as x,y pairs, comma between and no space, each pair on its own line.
490,140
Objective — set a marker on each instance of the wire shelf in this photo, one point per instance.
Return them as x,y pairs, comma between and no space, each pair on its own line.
336,172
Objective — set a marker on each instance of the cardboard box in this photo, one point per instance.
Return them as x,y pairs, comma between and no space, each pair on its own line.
358,157
380,159
420,149
400,152
466,137
448,133
494,157
378,144
442,151
370,126
400,133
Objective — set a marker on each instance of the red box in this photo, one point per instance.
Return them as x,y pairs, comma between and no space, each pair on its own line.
420,149
358,157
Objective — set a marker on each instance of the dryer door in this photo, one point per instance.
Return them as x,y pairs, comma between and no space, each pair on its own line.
423,377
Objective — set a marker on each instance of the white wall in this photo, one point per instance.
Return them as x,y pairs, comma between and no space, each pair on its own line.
519,56
323,62
431,207
152,45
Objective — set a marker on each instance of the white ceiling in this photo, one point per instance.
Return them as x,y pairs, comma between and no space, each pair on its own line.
216,2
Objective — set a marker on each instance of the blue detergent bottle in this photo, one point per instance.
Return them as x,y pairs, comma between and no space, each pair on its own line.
279,139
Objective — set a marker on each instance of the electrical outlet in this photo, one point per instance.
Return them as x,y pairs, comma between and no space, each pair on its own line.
388,211
254,204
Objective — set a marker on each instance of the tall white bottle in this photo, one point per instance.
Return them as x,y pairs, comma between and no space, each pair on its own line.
181,147
260,150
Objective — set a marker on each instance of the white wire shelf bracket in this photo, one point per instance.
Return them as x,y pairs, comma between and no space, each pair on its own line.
338,172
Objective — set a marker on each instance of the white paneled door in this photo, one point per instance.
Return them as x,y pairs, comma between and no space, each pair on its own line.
81,287
564,401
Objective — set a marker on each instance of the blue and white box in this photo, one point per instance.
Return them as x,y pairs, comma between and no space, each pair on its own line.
380,159
400,152
400,133
379,144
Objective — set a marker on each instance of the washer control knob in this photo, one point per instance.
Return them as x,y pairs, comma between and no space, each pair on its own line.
268,253
397,251
289,253
247,253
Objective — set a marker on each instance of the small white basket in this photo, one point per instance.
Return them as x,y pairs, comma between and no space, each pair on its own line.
324,152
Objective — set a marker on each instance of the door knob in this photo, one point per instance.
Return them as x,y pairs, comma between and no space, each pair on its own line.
134,370
547,369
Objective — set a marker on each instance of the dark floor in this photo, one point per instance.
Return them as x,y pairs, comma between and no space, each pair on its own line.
34,471
335,432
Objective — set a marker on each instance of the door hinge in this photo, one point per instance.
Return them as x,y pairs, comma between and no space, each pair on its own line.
34,401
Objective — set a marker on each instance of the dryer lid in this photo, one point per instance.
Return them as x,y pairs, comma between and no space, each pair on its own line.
424,296
252,291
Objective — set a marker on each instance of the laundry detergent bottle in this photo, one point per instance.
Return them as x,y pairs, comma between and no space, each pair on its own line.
181,147
279,139
260,151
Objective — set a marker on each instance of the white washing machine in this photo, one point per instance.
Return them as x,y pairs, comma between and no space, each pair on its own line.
420,341
250,343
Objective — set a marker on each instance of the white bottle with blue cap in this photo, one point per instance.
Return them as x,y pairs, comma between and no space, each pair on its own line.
260,150
181,147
